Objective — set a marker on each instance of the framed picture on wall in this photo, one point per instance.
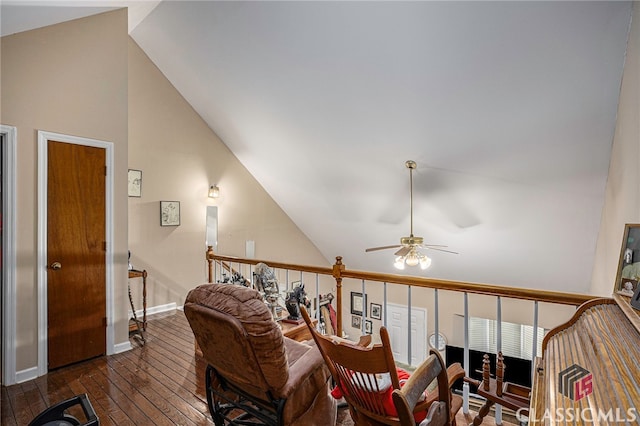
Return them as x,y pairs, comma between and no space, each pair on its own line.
358,303
355,321
135,183
375,311
169,213
368,327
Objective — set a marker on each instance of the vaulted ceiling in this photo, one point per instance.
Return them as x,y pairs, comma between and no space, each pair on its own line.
508,108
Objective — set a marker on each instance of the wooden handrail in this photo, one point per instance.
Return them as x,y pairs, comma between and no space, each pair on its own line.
575,299
339,272
279,265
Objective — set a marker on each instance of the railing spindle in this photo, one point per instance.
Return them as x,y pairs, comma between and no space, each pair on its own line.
498,415
384,303
336,272
435,322
409,325
465,385
534,349
317,300
364,310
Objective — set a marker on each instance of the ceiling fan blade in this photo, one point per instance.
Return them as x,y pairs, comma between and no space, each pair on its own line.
433,245
404,250
439,249
382,248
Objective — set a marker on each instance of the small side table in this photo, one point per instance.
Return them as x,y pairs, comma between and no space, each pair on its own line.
135,323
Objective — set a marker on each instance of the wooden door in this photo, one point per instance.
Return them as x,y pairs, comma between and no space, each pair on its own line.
76,230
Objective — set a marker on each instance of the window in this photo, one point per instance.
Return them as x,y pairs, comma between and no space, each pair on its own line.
517,339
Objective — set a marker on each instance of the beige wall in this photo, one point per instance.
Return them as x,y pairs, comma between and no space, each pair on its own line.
69,78
622,196
180,156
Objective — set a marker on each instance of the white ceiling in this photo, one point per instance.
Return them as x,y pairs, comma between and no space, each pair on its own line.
507,107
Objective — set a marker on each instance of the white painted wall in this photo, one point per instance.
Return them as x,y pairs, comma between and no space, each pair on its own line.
622,196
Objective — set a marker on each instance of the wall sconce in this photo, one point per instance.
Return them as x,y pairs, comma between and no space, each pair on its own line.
214,191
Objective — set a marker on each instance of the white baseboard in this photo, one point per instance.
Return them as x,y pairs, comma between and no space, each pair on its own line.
26,375
159,309
122,347
156,309
32,373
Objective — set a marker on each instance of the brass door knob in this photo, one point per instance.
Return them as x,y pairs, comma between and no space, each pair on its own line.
55,266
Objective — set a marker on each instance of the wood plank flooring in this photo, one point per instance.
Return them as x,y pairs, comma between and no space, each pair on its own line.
159,383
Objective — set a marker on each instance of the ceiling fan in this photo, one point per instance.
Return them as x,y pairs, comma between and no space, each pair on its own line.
410,246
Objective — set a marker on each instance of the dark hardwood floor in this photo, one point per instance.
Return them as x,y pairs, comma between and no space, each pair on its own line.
159,383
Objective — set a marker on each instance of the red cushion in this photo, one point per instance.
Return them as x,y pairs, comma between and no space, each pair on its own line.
386,396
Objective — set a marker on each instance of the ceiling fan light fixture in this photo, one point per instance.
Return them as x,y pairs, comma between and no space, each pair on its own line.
399,263
425,262
409,253
413,258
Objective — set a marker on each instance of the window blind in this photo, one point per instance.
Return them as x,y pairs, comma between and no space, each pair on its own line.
517,339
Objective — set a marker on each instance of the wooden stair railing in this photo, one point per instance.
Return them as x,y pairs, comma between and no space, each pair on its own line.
339,272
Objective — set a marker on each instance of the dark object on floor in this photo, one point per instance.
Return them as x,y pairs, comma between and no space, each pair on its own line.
56,416
367,377
254,372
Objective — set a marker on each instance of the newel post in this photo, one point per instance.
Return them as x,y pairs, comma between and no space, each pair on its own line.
210,262
338,268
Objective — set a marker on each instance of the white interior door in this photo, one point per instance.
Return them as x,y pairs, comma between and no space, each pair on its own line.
398,325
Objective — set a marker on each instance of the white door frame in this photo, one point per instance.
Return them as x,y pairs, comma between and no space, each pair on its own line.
43,138
9,253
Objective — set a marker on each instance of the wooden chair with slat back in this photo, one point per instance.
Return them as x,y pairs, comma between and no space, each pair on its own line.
367,378
406,398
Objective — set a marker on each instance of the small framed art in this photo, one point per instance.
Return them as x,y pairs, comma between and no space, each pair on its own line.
135,183
375,311
355,321
368,327
169,213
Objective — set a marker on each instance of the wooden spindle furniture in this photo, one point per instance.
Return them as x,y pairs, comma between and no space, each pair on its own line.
497,391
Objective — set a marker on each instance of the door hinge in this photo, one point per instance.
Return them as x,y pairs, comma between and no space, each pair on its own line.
104,246
104,321
105,171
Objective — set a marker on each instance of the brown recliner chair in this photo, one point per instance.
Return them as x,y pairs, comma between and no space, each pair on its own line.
254,372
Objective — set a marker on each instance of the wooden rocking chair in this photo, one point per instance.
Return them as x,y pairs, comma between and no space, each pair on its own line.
368,380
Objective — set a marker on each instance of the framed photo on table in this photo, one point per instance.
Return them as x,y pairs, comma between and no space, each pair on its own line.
628,287
358,303
629,260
